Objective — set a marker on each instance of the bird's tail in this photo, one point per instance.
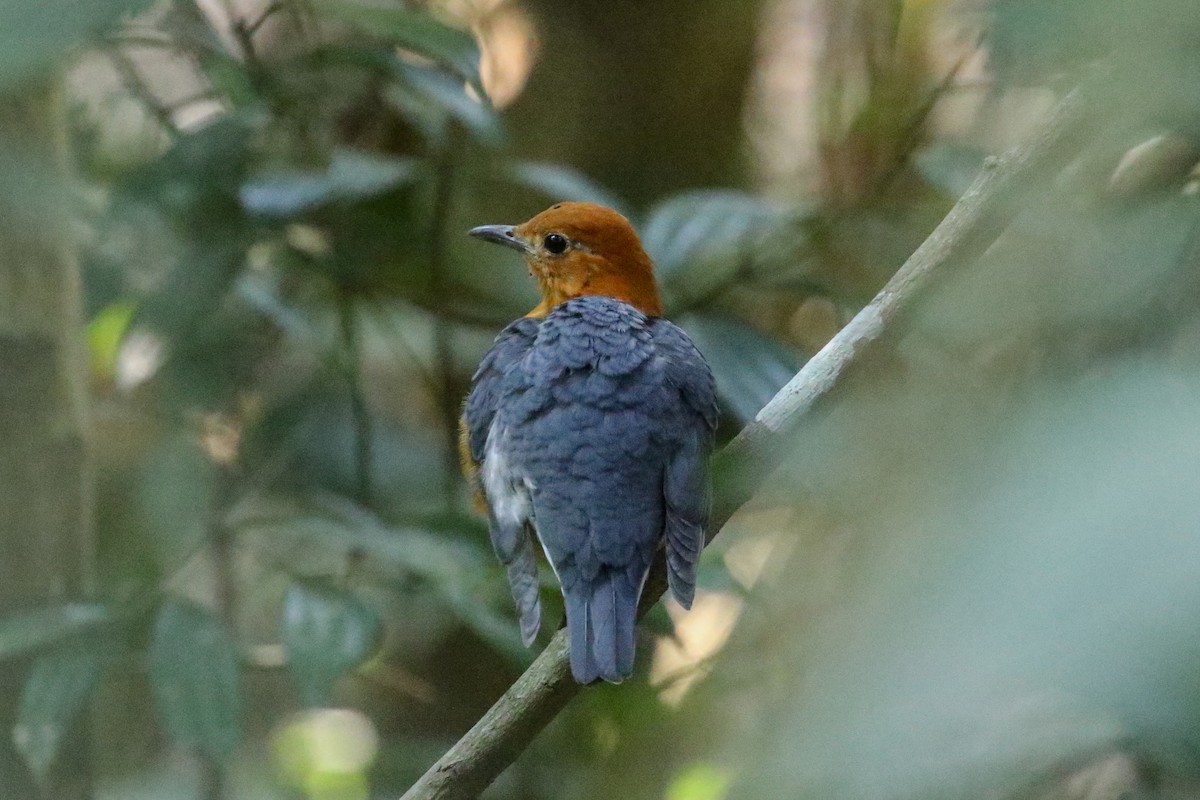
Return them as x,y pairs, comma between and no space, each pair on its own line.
601,617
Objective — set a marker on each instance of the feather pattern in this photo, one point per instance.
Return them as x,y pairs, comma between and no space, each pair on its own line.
592,427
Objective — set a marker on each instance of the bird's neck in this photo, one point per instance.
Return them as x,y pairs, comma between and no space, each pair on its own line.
636,286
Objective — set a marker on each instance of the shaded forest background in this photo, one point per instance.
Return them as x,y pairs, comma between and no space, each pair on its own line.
238,313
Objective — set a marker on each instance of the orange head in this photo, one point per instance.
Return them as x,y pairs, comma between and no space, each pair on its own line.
578,249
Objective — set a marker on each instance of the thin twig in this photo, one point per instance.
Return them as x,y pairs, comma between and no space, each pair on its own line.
136,85
981,213
270,11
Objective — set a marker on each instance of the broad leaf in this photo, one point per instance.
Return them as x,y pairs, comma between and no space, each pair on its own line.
55,690
34,35
749,366
194,675
562,183
702,240
461,573
429,97
327,632
27,632
413,30
350,175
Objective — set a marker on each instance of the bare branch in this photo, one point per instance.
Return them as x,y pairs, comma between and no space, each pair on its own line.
983,211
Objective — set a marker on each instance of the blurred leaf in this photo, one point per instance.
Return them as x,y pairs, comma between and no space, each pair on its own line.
411,29
700,781
949,167
428,96
229,79
196,181
351,175
327,631
104,334
35,35
326,753
194,675
55,689
750,368
1017,588
173,497
26,632
462,573
701,240
560,182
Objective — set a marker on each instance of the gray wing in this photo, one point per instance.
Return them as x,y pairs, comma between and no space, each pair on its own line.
511,535
480,409
686,485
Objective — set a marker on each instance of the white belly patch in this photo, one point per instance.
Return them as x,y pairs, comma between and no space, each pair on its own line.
508,493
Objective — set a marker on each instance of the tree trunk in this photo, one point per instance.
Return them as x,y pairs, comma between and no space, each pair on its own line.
45,476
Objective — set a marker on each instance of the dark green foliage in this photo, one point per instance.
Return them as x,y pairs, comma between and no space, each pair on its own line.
193,665
327,631
975,569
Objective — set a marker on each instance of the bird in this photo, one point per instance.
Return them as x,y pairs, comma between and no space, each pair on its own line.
587,429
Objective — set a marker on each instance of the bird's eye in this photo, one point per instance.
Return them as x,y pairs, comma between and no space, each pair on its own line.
555,243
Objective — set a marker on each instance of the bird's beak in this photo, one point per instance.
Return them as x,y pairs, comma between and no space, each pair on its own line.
501,234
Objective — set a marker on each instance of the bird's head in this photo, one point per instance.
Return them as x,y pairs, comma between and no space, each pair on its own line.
578,249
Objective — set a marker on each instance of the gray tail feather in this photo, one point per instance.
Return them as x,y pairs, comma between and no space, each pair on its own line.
523,580
601,617
684,541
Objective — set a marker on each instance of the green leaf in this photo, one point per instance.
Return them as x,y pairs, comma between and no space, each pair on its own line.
194,676
327,632
35,35
414,30
700,781
464,575
104,335
28,632
55,689
562,183
749,366
701,240
428,97
351,175
229,79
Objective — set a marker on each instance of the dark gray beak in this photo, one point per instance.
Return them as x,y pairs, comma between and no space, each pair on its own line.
500,234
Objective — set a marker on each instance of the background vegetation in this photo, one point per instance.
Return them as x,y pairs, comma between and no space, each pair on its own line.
238,313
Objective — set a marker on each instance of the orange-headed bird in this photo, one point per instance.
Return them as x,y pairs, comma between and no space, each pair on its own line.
589,425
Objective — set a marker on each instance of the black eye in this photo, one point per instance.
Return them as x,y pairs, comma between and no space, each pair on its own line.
555,243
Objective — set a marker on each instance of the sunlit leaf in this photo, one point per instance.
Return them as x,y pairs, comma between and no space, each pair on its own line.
194,675
25,632
700,782
749,366
326,753
327,631
559,182
350,175
54,691
413,30
104,334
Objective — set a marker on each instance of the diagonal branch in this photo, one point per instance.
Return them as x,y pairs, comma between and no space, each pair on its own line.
983,211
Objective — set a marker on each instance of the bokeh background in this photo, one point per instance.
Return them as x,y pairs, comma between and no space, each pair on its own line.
238,314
